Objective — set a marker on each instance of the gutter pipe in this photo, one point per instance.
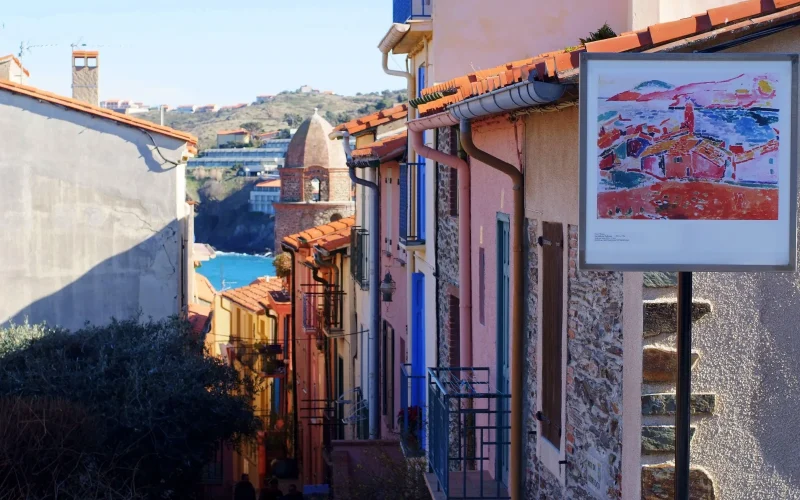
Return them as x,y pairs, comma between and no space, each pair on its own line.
415,131
392,38
522,95
295,417
373,346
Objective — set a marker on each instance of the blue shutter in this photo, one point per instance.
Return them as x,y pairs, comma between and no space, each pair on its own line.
417,337
421,74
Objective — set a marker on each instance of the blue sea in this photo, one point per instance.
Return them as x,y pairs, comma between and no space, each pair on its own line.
236,269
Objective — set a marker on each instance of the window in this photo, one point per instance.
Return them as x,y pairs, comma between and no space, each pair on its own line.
771,161
455,332
771,171
678,159
552,242
80,62
482,286
91,62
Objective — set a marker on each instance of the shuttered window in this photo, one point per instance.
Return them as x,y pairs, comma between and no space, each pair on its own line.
482,285
455,327
552,243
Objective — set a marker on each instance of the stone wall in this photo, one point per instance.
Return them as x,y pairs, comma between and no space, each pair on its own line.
85,84
593,425
291,184
292,218
340,185
446,249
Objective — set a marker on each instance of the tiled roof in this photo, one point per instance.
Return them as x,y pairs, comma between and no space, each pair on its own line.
334,241
272,183
198,317
399,112
13,58
717,25
387,149
77,105
309,236
254,296
85,53
233,132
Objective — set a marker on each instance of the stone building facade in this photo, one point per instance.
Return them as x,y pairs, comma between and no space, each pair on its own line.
315,182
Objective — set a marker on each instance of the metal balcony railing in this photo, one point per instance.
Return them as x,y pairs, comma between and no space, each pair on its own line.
410,417
412,204
359,258
469,433
266,359
323,308
406,10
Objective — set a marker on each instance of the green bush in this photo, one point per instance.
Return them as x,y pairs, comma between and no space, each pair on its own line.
154,404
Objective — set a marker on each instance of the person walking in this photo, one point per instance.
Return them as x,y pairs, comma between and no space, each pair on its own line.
293,493
244,489
270,490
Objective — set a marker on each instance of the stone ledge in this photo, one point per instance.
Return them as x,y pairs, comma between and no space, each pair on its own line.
658,439
660,364
658,483
664,404
661,315
660,280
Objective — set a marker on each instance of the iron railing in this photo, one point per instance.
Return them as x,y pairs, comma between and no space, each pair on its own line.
406,10
410,417
323,308
359,258
412,204
469,433
266,358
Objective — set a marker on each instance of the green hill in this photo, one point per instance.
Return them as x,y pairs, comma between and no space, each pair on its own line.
287,110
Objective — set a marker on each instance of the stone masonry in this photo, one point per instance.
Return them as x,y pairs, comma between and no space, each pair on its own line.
296,217
446,249
593,426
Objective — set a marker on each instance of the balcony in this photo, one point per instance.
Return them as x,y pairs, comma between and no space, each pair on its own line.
323,309
408,10
359,258
469,434
265,359
410,418
412,204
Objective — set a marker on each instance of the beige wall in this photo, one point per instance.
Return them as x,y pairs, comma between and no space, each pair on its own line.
85,84
10,70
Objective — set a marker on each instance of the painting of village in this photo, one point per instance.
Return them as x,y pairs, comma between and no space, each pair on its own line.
698,150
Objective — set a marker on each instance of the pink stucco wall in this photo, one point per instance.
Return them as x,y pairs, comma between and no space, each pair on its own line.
393,312
491,193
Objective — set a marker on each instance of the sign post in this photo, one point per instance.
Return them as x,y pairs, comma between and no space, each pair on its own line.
688,163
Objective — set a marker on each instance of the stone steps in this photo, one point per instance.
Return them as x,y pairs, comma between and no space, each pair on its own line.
661,315
660,364
663,404
660,439
658,483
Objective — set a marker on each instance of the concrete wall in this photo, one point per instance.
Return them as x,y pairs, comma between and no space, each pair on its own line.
10,70
91,217
473,35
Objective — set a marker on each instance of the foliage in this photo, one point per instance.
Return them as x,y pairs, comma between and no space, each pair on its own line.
253,127
154,403
603,33
387,478
283,265
284,133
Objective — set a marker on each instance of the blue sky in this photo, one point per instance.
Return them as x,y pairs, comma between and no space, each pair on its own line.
199,51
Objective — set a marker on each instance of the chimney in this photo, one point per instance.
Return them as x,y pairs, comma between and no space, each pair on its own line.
85,76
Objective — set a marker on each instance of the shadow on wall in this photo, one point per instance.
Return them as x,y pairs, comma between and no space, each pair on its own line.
776,406
144,280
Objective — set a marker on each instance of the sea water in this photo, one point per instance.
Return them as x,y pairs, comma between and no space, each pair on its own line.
234,270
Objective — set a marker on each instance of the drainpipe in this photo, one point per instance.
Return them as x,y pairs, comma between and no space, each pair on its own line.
395,34
415,131
295,418
374,297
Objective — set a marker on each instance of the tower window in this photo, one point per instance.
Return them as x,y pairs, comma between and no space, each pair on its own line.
91,62
80,62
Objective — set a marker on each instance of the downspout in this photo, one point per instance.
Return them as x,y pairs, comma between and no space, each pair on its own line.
374,297
295,418
518,311
415,131
395,34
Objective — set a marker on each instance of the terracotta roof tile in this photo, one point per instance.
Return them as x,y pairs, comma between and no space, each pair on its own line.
270,183
77,105
307,238
198,317
233,132
387,149
562,65
254,296
85,53
399,112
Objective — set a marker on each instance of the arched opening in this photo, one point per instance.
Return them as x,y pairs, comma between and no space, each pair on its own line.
315,189
335,217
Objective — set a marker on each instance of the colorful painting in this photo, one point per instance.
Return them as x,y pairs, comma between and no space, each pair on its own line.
679,149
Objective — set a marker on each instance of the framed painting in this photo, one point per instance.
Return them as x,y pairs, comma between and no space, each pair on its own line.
688,162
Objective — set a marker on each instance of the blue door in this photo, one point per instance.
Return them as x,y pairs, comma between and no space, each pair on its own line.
503,329
418,344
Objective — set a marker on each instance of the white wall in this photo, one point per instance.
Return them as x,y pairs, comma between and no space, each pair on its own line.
90,217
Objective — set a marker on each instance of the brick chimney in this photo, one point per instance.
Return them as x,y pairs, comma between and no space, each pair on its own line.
86,76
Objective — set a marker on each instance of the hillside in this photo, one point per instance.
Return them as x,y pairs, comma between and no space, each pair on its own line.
286,110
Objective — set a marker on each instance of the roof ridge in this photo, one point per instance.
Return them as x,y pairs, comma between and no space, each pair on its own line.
77,105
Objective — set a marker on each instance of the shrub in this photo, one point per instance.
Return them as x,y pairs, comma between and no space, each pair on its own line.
154,404
283,265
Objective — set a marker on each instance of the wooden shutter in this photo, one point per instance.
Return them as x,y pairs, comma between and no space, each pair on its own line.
453,192
552,243
455,332
482,285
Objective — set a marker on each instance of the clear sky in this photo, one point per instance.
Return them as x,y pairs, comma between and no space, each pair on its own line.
201,51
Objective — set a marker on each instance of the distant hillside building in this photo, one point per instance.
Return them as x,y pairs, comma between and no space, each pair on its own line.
208,108
252,161
233,106
261,99
315,183
185,108
264,195
11,69
232,137
125,107
86,76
